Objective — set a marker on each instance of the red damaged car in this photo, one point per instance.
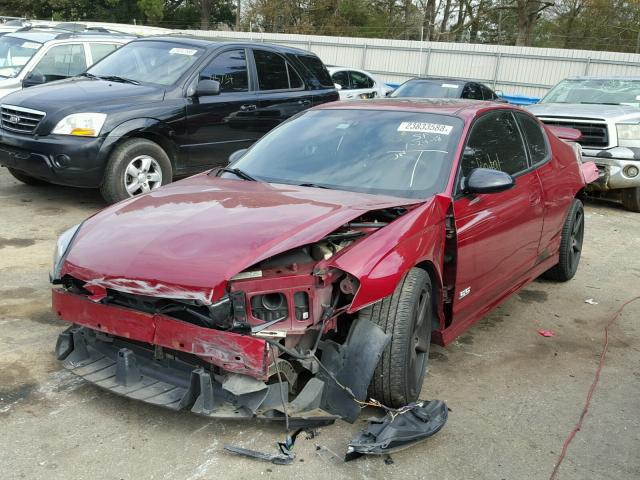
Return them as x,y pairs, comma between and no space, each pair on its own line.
314,271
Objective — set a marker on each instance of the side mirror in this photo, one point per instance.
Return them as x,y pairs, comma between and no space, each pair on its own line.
33,78
236,155
487,180
207,87
337,86
388,94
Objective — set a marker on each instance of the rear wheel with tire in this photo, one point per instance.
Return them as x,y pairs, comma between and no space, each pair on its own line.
570,245
407,316
136,166
631,199
24,178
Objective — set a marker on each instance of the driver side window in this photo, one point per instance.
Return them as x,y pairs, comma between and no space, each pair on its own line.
495,142
230,69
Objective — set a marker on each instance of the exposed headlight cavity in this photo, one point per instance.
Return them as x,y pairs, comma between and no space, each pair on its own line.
60,252
81,124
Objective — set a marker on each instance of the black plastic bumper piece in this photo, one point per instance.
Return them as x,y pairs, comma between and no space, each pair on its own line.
399,429
59,159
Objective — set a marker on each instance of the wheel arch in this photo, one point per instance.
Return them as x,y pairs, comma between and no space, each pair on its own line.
147,128
436,297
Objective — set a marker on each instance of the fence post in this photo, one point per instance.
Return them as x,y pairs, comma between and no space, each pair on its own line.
496,70
586,66
364,56
426,62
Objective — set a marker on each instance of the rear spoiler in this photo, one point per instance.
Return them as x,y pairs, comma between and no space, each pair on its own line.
566,133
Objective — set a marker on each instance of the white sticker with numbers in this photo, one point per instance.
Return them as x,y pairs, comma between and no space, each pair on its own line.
423,127
182,51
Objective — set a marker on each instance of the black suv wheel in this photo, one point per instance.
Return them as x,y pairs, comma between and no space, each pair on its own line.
135,167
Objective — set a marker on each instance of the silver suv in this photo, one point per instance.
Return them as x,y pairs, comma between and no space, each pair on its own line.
31,56
607,112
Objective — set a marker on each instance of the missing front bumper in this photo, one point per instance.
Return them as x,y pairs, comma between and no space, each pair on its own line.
133,370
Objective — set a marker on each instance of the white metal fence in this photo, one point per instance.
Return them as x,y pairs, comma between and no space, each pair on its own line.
514,70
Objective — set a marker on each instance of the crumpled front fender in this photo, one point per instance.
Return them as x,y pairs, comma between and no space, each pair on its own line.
380,260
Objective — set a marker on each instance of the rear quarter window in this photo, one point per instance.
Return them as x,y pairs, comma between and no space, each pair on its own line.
101,50
317,68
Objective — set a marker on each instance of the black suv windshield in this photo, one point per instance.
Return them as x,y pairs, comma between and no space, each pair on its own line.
594,90
14,54
428,89
155,62
403,154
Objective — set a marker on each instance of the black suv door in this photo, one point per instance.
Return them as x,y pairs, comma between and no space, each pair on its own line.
282,91
217,124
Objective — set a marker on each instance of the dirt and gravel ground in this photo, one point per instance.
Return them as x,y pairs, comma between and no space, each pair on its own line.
514,395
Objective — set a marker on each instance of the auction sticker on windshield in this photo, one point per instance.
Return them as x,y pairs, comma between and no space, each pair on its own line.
182,51
31,45
423,127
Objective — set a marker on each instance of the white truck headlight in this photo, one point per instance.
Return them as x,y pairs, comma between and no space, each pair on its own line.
62,247
628,134
81,124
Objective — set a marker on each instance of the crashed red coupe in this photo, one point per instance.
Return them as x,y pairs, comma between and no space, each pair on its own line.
314,271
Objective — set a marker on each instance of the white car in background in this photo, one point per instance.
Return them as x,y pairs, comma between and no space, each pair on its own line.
354,84
36,55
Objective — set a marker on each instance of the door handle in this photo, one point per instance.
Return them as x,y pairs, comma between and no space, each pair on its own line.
247,108
304,102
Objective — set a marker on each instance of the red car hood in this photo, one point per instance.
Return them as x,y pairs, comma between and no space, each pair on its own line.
188,239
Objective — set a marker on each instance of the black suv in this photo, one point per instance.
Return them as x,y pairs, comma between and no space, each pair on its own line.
156,109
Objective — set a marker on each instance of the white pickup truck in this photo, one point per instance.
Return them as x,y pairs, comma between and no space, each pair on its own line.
607,112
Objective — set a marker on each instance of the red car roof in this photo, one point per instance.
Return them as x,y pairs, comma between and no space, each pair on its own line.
458,107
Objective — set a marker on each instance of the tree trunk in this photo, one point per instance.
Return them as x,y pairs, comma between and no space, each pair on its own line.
205,14
429,19
445,17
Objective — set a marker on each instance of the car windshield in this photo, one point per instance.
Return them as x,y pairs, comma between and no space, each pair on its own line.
593,90
14,54
154,62
428,89
402,154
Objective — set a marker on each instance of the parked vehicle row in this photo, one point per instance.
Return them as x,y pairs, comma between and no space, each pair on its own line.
313,266
156,109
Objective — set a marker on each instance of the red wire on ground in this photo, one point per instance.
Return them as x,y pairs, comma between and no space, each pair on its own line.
585,409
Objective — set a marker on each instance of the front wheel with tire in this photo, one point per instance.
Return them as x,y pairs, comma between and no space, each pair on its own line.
631,199
407,316
570,245
26,179
136,166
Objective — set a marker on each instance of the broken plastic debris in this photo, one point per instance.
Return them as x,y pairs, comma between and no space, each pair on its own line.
276,458
546,333
399,429
591,301
286,455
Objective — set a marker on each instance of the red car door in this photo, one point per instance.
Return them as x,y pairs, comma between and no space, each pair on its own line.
498,234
